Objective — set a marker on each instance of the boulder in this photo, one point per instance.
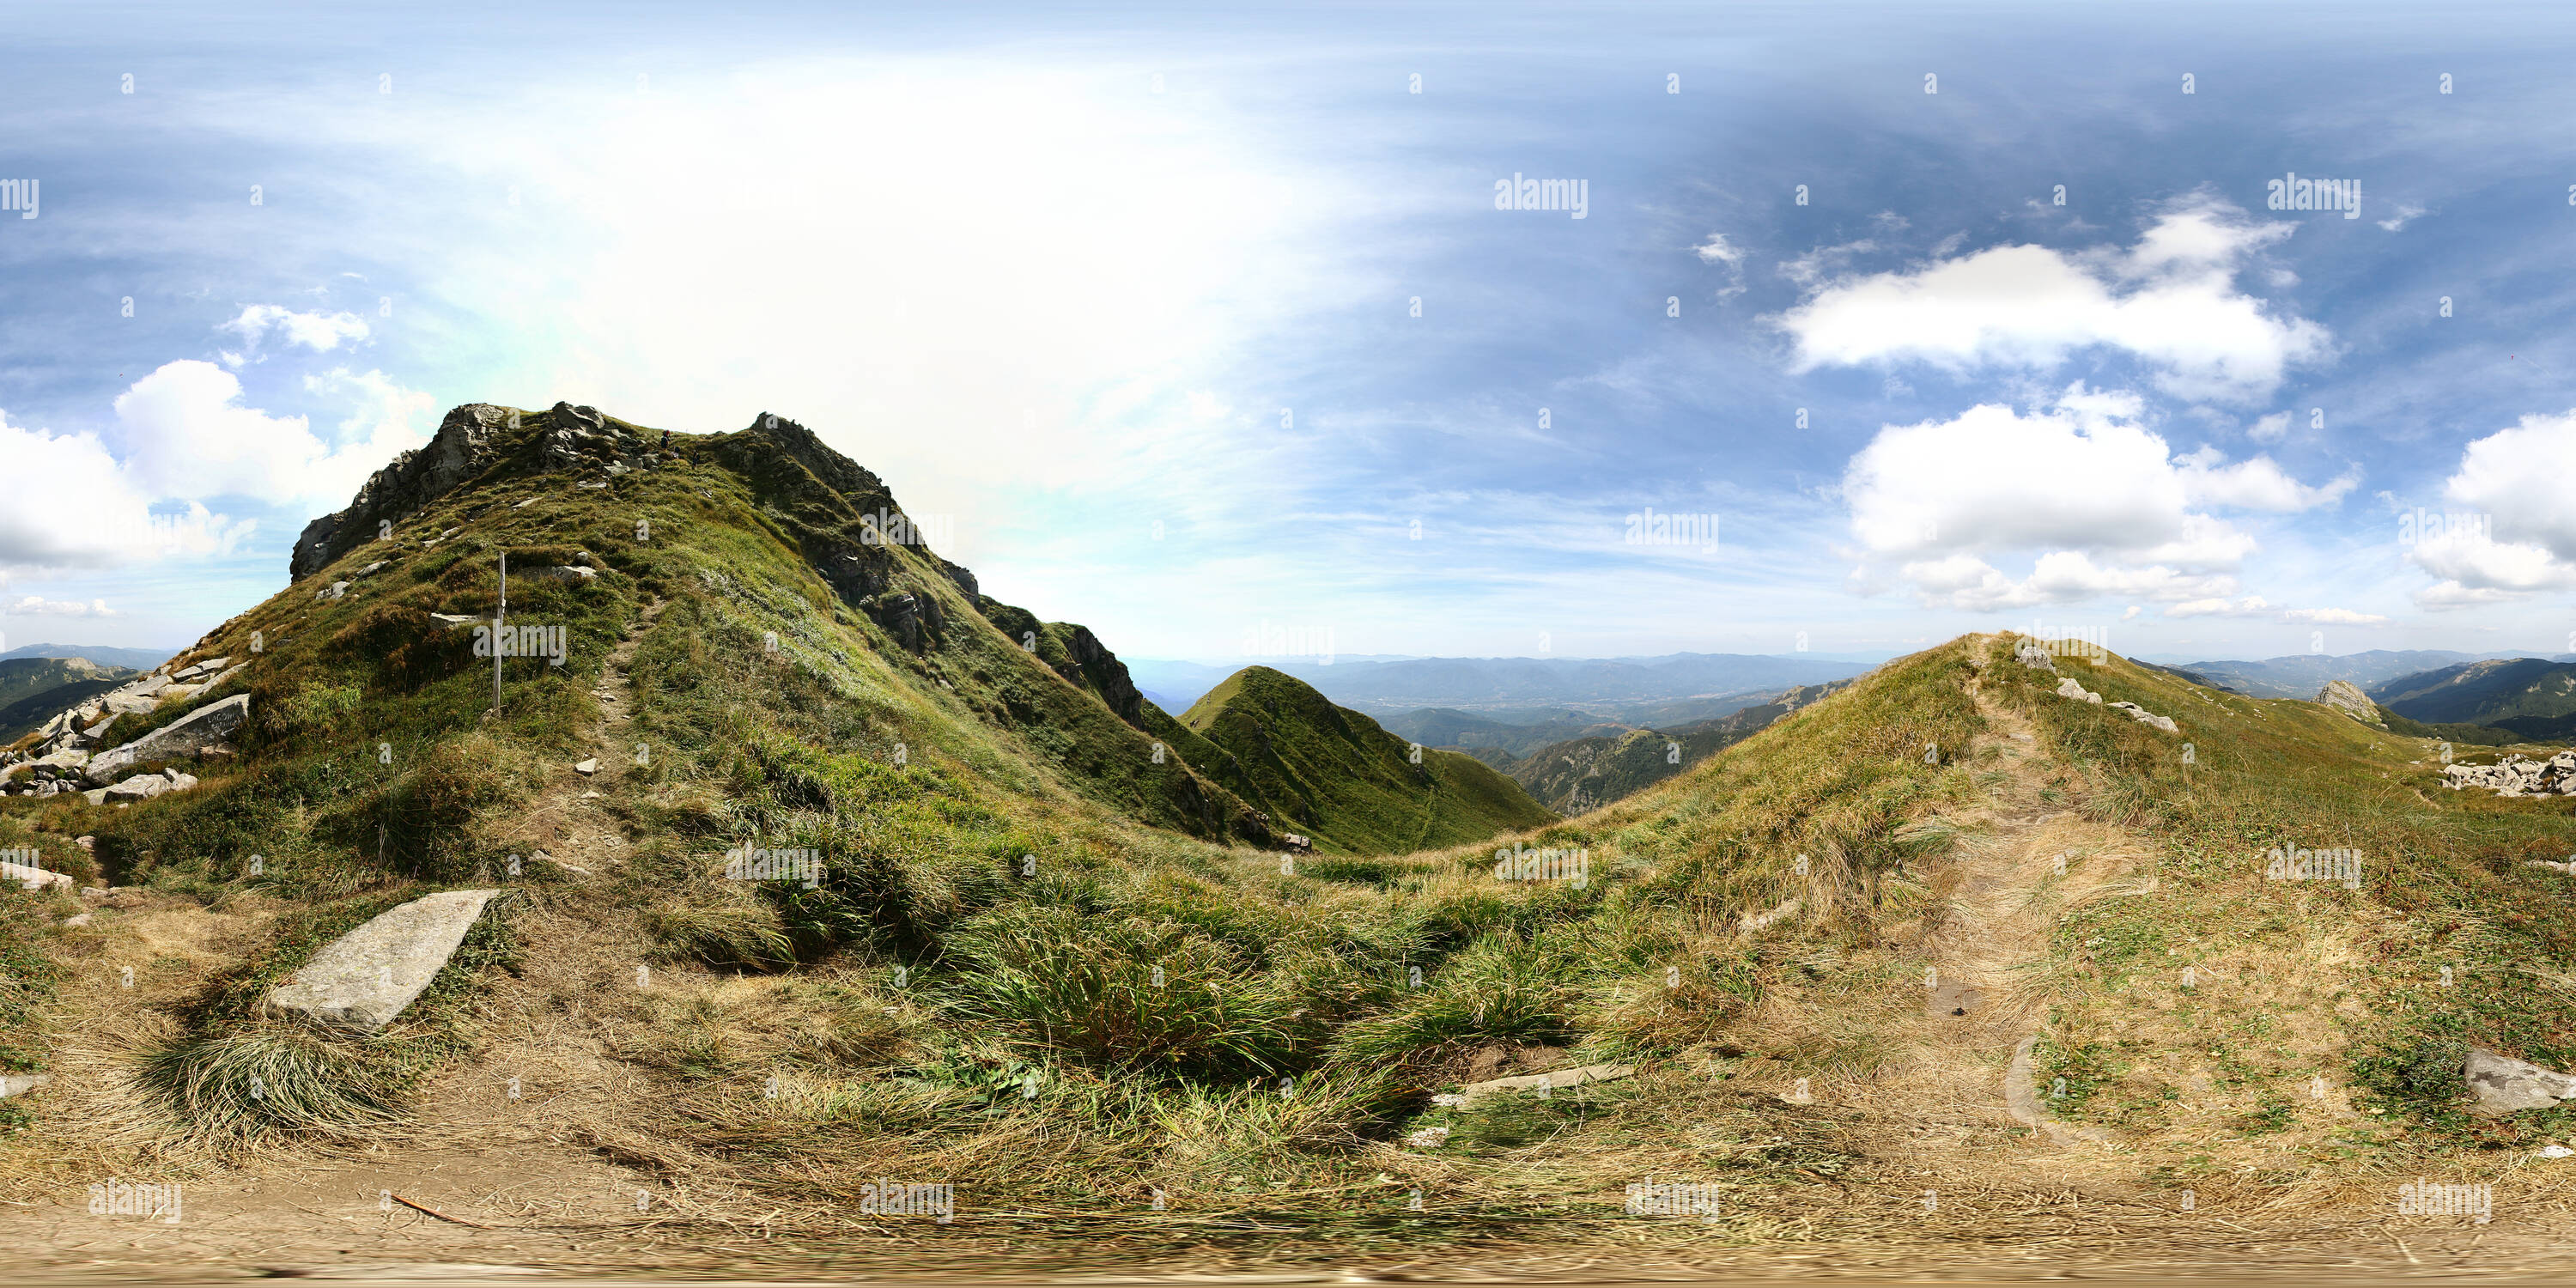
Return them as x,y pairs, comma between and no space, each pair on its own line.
143,787
2146,717
33,877
2505,1085
2069,688
563,572
2035,657
2347,697
1557,1080
200,732
587,767
19,1084
365,978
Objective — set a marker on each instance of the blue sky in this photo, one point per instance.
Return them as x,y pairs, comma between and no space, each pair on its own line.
1127,297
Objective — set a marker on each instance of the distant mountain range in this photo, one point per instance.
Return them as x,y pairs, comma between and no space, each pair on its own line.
1617,689
2301,675
2533,697
140,659
35,689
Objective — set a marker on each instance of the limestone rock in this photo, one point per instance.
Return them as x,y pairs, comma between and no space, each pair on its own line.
587,767
19,1084
365,978
468,441
1557,1080
2035,657
32,877
2505,1085
2146,717
2347,697
201,731
564,572
2069,688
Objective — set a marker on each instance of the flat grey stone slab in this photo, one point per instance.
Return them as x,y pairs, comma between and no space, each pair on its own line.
1557,1080
2505,1085
365,978
19,1084
203,728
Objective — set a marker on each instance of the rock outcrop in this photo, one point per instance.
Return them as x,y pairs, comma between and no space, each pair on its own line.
470,440
2347,697
202,731
2035,657
365,978
2070,688
2518,775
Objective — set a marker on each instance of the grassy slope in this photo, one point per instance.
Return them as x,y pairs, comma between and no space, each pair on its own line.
2484,692
1335,776
1094,999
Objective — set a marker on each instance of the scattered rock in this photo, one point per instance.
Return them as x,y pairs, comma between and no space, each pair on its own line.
2068,688
453,620
2518,775
1559,1080
2145,717
564,572
587,767
81,920
146,786
19,1084
2505,1085
2035,657
33,877
1428,1138
365,978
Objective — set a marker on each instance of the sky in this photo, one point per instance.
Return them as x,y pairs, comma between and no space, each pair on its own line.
1851,328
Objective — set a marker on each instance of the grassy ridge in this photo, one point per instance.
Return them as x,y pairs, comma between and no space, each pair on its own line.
1336,777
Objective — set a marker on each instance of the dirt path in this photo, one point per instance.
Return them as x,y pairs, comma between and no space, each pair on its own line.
2025,860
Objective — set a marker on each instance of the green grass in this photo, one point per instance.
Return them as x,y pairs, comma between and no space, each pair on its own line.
1349,786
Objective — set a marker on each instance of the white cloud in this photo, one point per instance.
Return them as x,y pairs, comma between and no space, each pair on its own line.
2333,617
2220,606
2515,533
35,606
2270,429
2406,214
2098,500
319,332
2171,300
1718,251
186,435
2256,484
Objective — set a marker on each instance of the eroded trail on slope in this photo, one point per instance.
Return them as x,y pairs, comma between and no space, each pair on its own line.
2026,857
